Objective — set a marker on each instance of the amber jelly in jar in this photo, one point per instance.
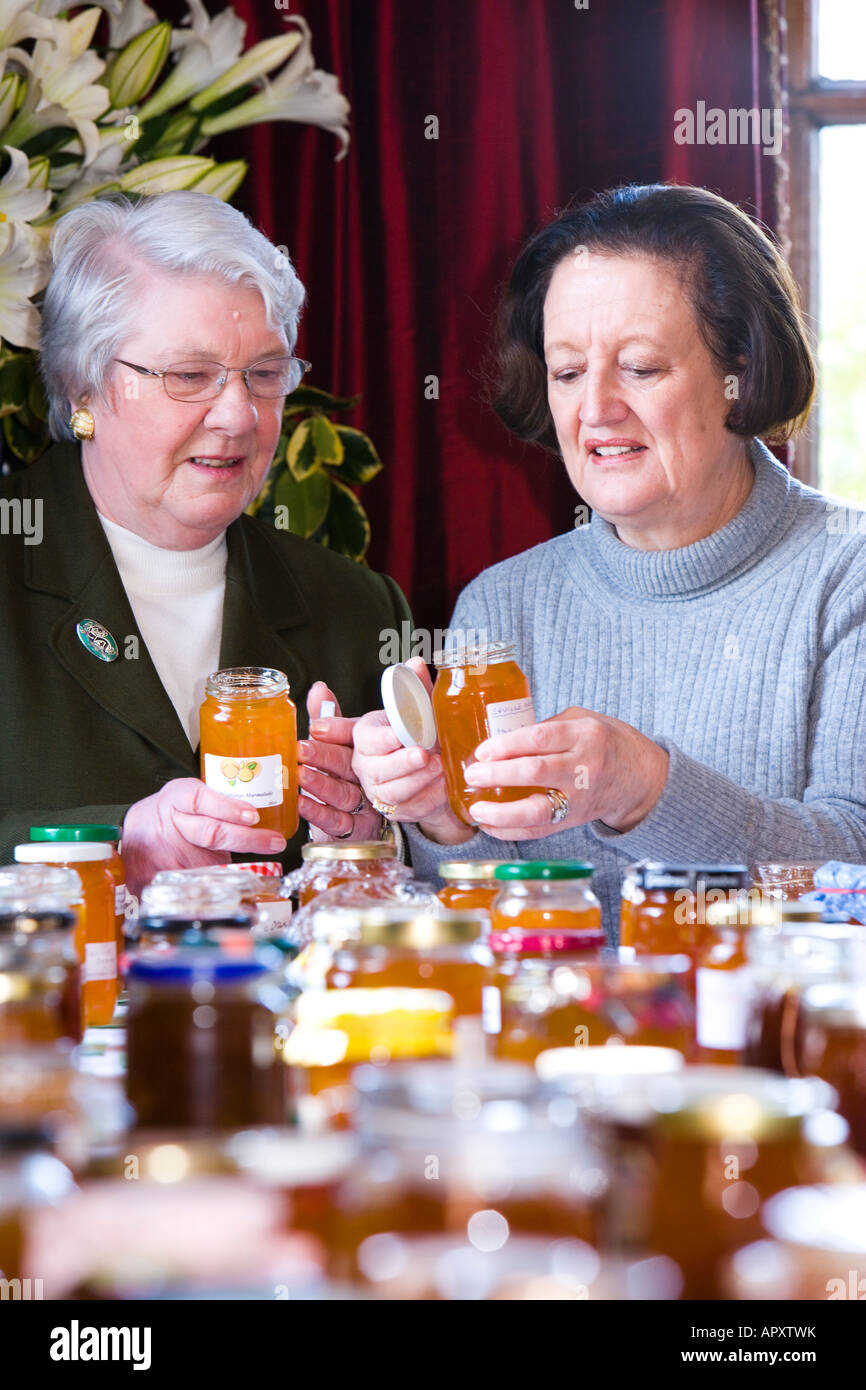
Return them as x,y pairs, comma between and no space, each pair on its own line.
249,743
479,692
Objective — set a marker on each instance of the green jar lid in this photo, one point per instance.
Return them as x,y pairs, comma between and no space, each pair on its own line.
99,834
544,868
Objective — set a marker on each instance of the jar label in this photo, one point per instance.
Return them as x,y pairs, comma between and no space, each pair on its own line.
100,960
273,917
722,1008
491,1009
259,780
120,900
505,715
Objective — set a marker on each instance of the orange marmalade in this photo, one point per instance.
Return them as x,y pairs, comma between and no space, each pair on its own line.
479,692
249,743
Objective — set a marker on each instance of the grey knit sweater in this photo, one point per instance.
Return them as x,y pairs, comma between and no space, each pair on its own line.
743,655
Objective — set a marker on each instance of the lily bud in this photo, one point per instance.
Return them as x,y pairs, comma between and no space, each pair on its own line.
262,58
165,175
137,67
222,181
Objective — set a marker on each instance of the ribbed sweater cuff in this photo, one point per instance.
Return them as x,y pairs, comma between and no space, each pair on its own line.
701,816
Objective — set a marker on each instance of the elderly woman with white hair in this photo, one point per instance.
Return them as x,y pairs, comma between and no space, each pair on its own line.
168,337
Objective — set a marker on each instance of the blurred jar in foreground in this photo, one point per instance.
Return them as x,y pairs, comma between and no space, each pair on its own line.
466,1150
408,895
833,1032
663,906
40,978
696,1154
30,1176
337,1029
784,962
95,932
549,1004
817,1250
389,946
202,1042
329,864
469,884
306,1170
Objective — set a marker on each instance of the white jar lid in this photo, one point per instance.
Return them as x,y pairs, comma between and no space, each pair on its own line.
61,852
408,707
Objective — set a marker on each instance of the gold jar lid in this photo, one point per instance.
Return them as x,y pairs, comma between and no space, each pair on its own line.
472,870
402,928
330,851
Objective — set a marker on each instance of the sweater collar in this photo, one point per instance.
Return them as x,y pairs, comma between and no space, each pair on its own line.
694,569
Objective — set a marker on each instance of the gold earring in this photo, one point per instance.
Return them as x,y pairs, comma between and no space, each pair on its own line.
82,424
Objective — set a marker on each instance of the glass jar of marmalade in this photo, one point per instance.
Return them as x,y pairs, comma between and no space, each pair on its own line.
337,1029
96,932
724,979
480,692
269,900
249,743
469,884
786,882
30,1176
330,864
40,978
393,947
818,1249
784,962
663,906
545,909
180,909
833,1023
202,1049
551,1004
475,1150
94,834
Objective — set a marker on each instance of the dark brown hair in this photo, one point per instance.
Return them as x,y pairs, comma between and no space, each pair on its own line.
743,295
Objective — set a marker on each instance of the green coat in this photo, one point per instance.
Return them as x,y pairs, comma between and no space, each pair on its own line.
82,739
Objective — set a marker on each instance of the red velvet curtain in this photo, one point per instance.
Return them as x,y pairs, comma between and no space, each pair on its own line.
404,244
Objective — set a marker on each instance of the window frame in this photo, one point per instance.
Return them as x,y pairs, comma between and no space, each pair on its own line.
813,102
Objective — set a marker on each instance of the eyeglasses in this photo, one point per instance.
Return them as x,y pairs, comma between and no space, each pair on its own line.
202,381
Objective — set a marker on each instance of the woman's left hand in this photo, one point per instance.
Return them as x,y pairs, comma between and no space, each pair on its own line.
606,769
325,772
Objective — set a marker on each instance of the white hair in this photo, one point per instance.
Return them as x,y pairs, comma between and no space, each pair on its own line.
92,302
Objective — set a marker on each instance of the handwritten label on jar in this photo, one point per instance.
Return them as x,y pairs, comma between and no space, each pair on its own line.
100,960
273,917
259,780
120,899
505,715
722,1008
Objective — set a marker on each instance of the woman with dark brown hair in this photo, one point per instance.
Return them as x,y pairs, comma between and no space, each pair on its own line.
697,652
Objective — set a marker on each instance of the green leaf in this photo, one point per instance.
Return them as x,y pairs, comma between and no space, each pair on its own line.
26,443
14,383
311,398
307,501
360,460
326,441
348,526
302,457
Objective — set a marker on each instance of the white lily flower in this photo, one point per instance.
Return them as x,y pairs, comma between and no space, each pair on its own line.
10,87
301,92
52,8
62,87
77,184
18,201
133,18
24,269
207,50
18,21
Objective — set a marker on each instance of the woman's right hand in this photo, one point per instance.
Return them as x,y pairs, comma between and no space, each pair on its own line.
186,825
409,779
